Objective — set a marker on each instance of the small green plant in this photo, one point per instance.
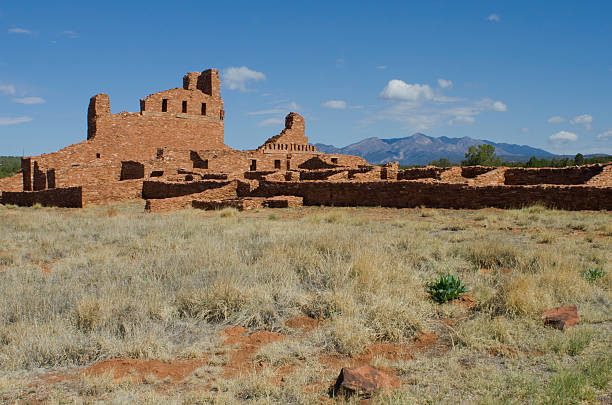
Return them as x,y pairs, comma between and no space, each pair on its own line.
593,274
446,288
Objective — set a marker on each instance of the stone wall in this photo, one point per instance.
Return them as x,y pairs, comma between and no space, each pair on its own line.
404,194
566,175
161,189
70,197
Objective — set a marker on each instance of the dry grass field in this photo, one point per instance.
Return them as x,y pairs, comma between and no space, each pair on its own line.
266,307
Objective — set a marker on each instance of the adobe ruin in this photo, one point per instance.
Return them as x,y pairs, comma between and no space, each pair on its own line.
172,154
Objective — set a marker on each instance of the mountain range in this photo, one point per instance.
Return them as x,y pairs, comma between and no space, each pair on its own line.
420,149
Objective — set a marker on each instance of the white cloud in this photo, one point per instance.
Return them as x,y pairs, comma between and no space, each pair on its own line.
563,137
443,83
19,31
270,121
340,62
70,34
29,100
235,78
488,104
467,119
585,119
335,104
7,89
525,130
14,120
494,17
605,135
400,90
555,120
279,109
383,67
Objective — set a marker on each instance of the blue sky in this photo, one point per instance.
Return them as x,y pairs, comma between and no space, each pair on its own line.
536,73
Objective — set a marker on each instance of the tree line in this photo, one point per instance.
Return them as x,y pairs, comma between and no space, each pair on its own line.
484,155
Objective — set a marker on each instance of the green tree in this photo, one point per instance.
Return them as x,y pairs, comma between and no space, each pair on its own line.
483,155
443,162
579,159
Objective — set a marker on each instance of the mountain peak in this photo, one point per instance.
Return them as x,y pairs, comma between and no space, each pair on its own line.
420,149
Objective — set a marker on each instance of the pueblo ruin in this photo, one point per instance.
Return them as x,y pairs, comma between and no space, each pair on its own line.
172,155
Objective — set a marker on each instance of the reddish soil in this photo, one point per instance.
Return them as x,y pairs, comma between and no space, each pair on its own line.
138,370
466,301
241,359
47,267
304,323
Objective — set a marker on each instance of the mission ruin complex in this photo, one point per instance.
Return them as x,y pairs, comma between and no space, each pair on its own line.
173,155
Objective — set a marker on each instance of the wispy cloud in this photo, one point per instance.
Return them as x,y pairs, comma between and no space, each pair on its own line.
19,31
269,122
555,120
335,104
445,84
14,120
605,135
383,67
70,34
7,89
235,78
584,119
29,100
340,63
494,17
279,109
488,104
563,137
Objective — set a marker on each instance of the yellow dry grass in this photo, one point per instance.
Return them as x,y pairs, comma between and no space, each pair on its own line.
86,285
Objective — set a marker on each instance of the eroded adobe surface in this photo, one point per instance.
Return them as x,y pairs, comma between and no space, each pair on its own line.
172,153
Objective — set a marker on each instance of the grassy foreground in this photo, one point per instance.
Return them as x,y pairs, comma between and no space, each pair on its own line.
81,286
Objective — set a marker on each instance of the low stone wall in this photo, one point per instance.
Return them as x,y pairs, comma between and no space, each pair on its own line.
160,189
421,173
469,172
566,175
70,197
404,194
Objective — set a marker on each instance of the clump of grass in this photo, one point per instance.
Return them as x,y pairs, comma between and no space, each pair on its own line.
228,212
446,288
492,253
273,217
572,342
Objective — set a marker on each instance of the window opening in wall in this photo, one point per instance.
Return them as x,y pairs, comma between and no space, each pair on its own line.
184,107
204,164
164,105
97,156
203,108
160,153
253,165
288,164
277,164
334,160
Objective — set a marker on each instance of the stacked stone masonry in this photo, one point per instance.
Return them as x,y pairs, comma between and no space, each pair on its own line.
172,153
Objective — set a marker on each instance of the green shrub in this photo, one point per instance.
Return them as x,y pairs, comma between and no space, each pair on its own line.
593,274
446,288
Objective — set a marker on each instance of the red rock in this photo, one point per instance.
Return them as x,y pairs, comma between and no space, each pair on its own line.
362,381
561,317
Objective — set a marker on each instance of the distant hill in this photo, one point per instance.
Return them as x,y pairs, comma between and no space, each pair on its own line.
420,149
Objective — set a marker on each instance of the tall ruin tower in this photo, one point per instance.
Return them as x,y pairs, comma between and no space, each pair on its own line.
184,117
